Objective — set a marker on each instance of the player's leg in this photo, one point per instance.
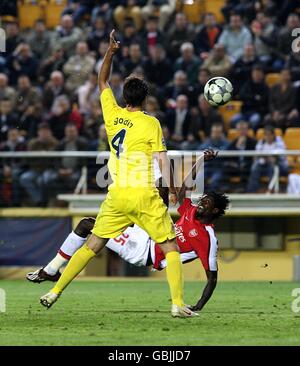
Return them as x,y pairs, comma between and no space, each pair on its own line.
72,243
77,263
109,224
157,222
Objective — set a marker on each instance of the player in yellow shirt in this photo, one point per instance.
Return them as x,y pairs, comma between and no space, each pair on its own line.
134,138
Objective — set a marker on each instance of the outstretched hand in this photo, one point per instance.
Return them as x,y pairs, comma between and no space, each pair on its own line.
113,44
210,154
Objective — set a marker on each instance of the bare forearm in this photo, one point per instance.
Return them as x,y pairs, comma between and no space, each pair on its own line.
104,71
167,171
212,277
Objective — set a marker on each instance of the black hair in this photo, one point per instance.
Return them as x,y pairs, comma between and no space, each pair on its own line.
221,202
270,128
258,67
135,91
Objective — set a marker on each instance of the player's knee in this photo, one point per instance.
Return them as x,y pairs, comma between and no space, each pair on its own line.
84,227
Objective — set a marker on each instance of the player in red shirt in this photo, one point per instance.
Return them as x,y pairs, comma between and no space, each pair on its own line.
194,232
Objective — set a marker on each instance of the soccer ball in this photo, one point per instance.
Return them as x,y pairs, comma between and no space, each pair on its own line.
218,91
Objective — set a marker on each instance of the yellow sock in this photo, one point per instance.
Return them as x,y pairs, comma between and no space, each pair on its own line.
78,261
175,277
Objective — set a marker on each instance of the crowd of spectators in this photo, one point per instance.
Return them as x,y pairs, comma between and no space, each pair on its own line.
49,98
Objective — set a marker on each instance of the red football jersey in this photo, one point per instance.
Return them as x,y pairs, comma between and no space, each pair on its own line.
193,238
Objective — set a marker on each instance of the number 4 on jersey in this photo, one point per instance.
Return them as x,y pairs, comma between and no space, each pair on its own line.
117,142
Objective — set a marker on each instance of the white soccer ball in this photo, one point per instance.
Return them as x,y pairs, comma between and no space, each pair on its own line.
218,91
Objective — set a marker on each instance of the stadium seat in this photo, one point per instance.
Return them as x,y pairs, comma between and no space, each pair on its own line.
29,12
215,6
260,133
193,10
292,138
232,134
272,79
229,110
53,12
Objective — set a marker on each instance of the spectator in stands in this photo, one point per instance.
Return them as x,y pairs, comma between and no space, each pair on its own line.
39,40
235,37
180,32
66,35
13,38
104,9
285,39
264,166
55,62
188,62
207,36
5,90
283,103
152,36
12,168
214,170
152,108
241,70
164,8
265,36
27,95
116,84
178,119
129,36
69,168
54,88
41,171
8,118
244,8
61,114
198,87
255,96
92,121
293,64
98,33
170,144
218,62
158,68
203,117
135,59
22,62
129,9
79,8
78,67
179,85
87,93
240,166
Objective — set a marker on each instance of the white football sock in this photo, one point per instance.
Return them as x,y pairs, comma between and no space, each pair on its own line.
57,262
72,243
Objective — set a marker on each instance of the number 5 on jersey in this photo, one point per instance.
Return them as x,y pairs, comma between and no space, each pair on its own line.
117,142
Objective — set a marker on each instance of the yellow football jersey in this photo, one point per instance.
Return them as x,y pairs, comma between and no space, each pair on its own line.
133,138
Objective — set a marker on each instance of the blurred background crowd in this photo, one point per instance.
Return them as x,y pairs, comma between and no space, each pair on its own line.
49,98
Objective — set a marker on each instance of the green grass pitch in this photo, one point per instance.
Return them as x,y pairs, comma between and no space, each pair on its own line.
136,312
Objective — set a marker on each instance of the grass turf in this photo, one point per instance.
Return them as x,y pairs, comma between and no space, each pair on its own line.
136,312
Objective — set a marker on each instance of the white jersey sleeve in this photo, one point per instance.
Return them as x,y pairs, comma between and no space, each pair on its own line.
133,245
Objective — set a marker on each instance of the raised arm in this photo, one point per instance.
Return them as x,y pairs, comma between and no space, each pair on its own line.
189,181
104,71
167,174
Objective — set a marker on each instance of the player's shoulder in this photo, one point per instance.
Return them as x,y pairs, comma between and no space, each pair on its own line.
150,118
